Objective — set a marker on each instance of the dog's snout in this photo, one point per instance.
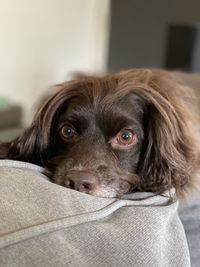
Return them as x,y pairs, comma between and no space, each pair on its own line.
82,181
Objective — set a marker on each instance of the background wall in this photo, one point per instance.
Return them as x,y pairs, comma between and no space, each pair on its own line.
44,41
139,30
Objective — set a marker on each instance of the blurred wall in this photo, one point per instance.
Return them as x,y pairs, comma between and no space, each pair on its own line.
44,41
139,30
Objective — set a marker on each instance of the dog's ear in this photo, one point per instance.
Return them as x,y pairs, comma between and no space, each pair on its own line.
29,146
32,144
35,143
170,154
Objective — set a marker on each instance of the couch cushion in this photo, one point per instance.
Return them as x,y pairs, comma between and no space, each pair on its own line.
44,224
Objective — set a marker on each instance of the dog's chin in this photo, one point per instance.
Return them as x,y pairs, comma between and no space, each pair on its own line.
105,191
105,194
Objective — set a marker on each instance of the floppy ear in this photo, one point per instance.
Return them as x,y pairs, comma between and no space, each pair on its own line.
28,147
34,145
170,155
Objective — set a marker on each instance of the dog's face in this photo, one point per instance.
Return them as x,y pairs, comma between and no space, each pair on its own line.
98,142
112,135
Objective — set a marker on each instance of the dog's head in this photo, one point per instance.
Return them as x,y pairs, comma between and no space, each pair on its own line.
112,135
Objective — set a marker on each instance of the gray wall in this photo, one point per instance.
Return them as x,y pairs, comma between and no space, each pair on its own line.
139,30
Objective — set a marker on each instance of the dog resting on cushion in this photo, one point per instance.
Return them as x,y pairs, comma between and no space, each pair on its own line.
106,136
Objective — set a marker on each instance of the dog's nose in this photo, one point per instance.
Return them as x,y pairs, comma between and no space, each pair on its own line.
82,181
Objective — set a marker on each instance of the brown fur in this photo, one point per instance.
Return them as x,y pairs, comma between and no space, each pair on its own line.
159,106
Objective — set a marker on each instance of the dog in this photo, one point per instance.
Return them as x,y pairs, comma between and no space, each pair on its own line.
129,131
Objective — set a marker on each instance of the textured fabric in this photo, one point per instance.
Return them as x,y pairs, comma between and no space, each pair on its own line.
43,224
190,216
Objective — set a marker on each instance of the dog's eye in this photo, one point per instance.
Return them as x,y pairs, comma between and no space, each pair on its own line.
124,139
67,133
125,136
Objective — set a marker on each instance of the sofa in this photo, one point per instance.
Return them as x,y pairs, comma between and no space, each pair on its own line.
44,224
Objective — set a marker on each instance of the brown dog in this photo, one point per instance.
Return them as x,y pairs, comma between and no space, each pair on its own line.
132,130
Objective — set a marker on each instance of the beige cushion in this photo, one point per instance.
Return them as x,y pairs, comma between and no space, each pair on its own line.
43,224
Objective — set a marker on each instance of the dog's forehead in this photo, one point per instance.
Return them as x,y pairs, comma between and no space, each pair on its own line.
73,104
103,105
